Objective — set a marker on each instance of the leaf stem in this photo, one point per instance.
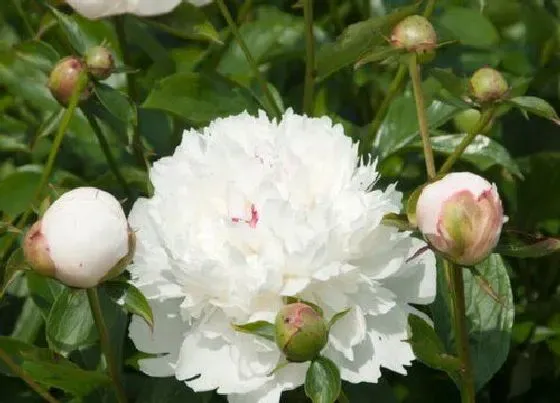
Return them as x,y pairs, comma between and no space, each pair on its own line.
460,330
481,126
114,371
309,58
414,71
272,106
111,161
131,85
17,370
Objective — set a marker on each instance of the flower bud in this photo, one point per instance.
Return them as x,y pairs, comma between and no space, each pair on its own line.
64,78
82,239
461,216
488,85
301,332
100,62
415,34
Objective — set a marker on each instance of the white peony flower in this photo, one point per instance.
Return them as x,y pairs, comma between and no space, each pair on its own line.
82,236
104,8
461,215
249,211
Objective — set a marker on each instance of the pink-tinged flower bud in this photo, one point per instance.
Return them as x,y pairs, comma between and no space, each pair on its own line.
461,216
82,239
488,85
100,62
64,78
415,34
301,332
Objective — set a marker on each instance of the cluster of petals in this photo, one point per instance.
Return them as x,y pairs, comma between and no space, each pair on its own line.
249,211
105,8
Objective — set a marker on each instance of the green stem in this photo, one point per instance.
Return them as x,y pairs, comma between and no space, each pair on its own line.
55,147
460,330
309,58
394,90
414,71
114,371
17,370
481,126
272,106
111,161
131,86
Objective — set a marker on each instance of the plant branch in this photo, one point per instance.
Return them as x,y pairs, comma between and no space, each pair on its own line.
460,330
272,106
414,71
481,126
17,370
309,58
114,370
111,161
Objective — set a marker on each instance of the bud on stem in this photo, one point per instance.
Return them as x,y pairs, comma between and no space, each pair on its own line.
415,34
65,77
488,85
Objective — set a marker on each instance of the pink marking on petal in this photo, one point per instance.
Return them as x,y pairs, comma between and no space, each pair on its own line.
254,217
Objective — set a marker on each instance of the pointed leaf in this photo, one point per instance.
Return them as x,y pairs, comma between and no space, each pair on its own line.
536,106
131,299
260,328
116,103
541,248
322,381
469,26
14,266
336,317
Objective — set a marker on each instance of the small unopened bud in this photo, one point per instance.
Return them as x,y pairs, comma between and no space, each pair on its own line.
461,216
100,62
82,239
488,85
301,332
415,34
65,77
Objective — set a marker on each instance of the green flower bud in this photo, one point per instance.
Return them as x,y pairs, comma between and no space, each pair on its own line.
415,34
488,85
64,78
301,332
100,62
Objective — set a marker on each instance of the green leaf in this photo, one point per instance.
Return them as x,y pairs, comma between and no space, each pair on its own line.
489,322
51,370
159,390
186,21
131,298
43,291
536,106
72,30
469,26
116,103
12,144
199,98
29,322
40,54
337,316
399,221
455,85
357,40
483,152
378,54
540,248
14,266
411,204
70,323
322,381
400,126
429,349
260,328
18,191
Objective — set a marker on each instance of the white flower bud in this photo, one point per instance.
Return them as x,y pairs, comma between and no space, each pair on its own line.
461,216
82,239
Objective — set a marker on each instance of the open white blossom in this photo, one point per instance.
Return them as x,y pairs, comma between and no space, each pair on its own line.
104,8
248,211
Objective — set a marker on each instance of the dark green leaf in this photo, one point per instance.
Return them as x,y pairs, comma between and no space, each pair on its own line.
40,54
455,85
116,103
29,322
199,98
376,55
259,328
131,298
12,144
50,369
429,349
322,381
469,26
70,323
187,21
72,30
43,290
540,248
18,191
357,40
14,266
536,106
489,322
